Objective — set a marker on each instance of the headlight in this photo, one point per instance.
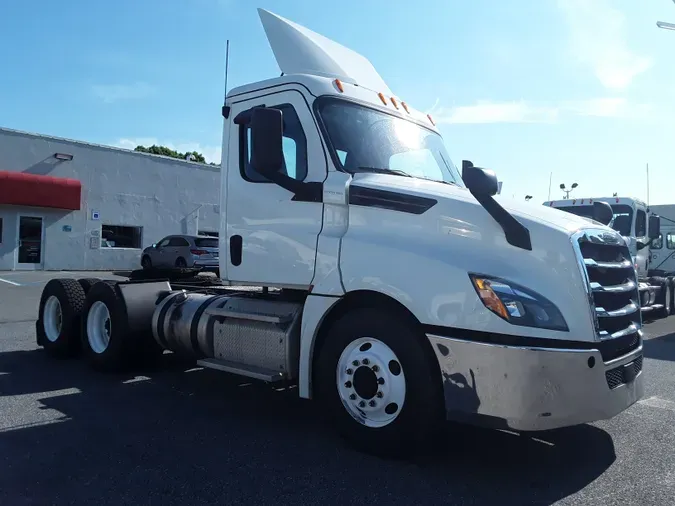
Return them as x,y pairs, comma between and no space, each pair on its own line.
518,305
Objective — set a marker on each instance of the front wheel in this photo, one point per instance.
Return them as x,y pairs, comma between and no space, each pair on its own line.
378,383
665,297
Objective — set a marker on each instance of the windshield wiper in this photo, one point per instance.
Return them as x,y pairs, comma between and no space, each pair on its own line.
381,170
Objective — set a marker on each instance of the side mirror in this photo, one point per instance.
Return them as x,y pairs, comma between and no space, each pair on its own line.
154,245
267,156
602,212
654,226
480,182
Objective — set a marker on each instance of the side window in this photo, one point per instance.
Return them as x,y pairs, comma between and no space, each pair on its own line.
670,240
658,242
294,144
178,242
641,224
164,242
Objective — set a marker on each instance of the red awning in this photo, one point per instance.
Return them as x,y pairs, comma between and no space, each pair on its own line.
21,189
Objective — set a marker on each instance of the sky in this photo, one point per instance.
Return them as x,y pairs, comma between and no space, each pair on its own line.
580,89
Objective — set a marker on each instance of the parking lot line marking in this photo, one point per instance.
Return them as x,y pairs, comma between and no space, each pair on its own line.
10,282
657,402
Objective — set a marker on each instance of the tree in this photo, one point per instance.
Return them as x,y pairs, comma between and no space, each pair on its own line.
164,151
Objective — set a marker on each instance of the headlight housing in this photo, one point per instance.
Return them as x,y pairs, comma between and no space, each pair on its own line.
518,305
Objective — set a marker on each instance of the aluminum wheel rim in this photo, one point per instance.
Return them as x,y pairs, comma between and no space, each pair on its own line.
52,318
99,327
371,382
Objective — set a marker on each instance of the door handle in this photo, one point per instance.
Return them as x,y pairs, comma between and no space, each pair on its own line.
236,242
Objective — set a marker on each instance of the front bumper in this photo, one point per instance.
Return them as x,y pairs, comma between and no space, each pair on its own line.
532,389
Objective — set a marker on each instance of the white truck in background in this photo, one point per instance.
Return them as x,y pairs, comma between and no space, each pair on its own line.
640,227
359,264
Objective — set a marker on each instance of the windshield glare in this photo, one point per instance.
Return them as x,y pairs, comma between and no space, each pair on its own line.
365,137
622,221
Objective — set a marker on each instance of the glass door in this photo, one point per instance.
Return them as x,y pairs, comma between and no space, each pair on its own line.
29,251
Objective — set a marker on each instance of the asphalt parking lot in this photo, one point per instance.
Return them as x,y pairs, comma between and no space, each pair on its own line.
183,435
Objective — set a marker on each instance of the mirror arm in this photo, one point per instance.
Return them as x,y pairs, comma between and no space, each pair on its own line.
515,232
303,192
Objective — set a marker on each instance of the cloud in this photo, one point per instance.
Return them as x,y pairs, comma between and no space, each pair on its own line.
598,40
616,107
110,93
494,112
211,153
526,112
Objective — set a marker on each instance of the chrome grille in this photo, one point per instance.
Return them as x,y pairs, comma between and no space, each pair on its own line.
613,291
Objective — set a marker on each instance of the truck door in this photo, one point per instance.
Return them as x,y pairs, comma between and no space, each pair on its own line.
271,239
643,255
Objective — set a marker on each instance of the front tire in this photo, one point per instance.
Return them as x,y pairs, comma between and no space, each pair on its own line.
375,380
665,297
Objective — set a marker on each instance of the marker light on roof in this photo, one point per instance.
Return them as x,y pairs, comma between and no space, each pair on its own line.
338,83
393,101
431,119
405,106
384,100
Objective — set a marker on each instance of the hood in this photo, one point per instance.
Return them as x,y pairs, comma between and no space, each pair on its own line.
525,211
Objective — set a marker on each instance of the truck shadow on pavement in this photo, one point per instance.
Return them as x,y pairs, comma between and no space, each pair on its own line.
179,435
660,348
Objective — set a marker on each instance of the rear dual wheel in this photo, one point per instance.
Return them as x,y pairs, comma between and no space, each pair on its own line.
107,341
59,317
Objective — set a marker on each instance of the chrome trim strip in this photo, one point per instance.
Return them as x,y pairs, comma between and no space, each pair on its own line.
607,265
584,276
626,287
631,329
627,357
510,347
624,311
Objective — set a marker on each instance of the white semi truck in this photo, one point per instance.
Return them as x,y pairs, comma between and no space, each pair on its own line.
641,229
359,264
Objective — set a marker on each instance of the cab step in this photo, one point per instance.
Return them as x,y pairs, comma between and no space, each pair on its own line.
242,370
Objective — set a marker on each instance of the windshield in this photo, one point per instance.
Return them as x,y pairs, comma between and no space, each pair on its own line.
622,221
365,139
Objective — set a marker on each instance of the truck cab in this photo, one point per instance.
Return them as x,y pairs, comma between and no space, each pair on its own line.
640,227
359,263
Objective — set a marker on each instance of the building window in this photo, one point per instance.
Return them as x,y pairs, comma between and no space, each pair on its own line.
118,236
658,242
207,233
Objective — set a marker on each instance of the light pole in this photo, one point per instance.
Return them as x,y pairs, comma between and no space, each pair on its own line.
567,192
